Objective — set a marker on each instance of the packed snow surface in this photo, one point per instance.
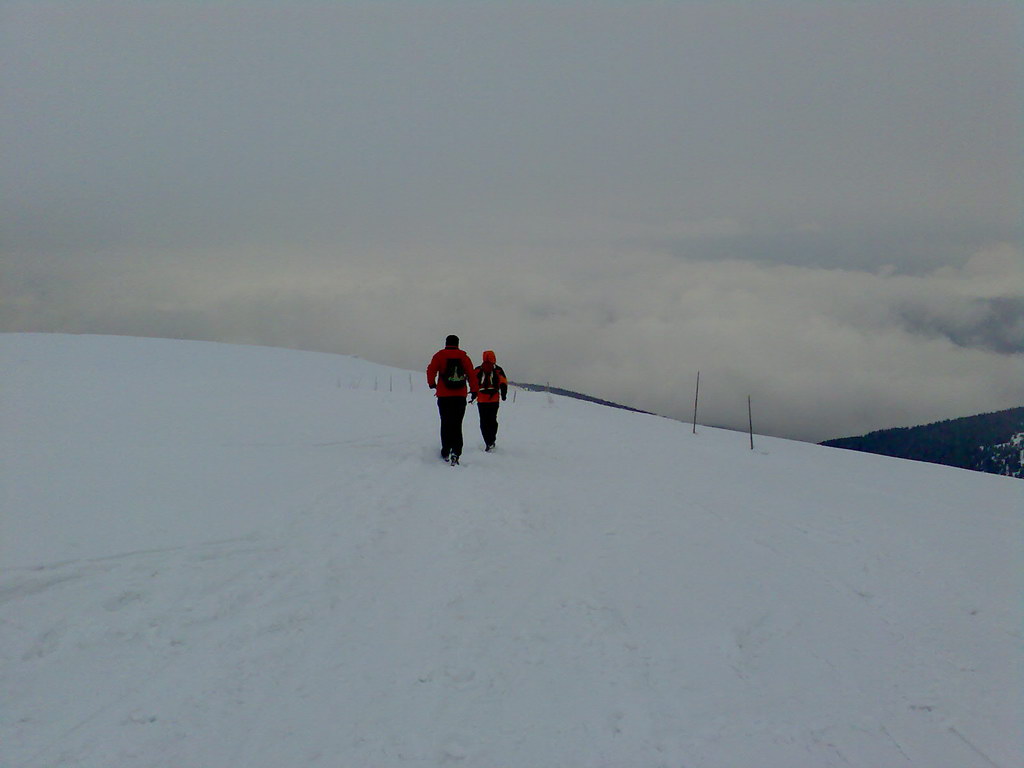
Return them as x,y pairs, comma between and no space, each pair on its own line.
219,556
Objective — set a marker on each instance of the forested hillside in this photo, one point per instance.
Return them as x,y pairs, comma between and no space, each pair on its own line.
990,442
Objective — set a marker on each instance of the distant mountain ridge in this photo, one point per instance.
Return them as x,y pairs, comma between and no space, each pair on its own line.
575,395
988,442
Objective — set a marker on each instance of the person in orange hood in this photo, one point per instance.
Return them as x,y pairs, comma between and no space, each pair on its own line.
492,384
449,374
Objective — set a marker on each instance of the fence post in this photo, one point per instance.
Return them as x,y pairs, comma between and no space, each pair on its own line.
750,420
695,396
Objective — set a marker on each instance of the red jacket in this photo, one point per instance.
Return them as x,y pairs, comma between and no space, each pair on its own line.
492,374
437,366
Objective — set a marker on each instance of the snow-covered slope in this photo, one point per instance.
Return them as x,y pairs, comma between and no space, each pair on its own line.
223,556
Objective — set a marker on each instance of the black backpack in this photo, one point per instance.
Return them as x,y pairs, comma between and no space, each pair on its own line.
454,375
489,380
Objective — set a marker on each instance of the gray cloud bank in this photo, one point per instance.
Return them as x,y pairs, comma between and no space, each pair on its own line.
819,206
823,352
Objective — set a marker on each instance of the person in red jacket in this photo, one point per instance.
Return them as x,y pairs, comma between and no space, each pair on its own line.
493,384
449,374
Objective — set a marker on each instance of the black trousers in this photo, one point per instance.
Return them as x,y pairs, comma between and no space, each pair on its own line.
452,410
488,421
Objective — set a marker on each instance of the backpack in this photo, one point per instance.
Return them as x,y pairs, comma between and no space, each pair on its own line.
489,380
453,375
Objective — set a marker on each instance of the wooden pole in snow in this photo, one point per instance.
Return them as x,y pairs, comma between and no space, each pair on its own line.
695,396
750,419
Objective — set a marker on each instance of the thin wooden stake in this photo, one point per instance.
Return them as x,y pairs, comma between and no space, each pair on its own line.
750,419
695,396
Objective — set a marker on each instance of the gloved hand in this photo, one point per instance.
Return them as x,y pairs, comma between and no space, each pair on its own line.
432,385
503,397
472,396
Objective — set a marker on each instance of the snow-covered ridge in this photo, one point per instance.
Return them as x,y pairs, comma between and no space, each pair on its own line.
216,555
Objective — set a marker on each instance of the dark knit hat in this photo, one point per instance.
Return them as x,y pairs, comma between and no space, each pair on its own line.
452,341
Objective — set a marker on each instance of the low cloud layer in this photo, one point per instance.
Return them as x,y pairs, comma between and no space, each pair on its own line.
822,352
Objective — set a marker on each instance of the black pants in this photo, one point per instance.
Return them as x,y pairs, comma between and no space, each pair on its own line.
452,410
488,421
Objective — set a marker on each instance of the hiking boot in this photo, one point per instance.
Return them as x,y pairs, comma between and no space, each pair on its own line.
489,448
455,459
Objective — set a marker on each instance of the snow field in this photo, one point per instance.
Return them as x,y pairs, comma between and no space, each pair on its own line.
216,555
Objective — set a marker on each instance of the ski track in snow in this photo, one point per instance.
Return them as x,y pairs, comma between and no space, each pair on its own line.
274,568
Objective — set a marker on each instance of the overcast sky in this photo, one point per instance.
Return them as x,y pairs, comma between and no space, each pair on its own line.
817,204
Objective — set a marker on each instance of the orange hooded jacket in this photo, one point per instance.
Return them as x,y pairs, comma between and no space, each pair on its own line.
439,362
490,379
